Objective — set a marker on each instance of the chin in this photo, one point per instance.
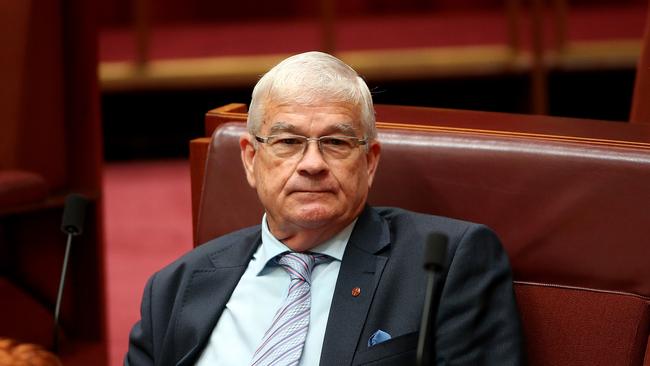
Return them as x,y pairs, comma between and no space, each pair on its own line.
313,217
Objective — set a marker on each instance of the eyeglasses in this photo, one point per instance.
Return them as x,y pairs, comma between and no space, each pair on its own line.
288,146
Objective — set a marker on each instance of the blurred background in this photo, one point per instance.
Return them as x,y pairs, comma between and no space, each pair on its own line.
102,98
571,58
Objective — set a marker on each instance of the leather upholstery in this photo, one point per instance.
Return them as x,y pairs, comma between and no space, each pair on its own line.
20,188
582,326
537,194
571,213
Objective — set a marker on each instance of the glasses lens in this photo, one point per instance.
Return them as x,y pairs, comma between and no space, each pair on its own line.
337,146
287,146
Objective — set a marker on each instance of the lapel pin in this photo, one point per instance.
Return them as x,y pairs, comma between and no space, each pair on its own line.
356,292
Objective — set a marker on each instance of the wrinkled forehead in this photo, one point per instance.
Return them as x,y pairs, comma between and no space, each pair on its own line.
314,95
294,117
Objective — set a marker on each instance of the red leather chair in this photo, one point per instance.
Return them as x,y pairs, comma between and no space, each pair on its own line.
571,210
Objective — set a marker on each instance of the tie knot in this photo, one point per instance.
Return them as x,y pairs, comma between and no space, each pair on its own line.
300,265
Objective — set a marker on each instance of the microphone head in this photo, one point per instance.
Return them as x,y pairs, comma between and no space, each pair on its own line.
74,213
435,251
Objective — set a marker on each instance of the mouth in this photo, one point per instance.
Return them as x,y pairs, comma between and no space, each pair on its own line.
311,191
311,188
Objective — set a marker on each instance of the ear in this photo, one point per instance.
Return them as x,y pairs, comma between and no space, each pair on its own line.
372,160
248,153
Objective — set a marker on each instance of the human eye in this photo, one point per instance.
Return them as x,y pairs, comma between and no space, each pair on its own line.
336,142
288,140
285,146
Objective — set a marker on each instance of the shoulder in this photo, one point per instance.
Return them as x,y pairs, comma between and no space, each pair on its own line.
401,219
477,318
409,226
203,255
400,215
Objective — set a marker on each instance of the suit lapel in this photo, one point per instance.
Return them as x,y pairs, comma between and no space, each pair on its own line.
361,268
205,298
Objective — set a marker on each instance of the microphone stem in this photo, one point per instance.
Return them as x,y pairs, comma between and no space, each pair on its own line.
59,296
425,351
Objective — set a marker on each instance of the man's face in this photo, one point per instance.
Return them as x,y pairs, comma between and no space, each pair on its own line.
310,191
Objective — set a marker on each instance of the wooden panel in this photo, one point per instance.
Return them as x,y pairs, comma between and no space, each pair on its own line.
198,155
456,118
14,25
641,99
233,112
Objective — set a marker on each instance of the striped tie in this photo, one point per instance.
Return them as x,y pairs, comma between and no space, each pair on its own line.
283,341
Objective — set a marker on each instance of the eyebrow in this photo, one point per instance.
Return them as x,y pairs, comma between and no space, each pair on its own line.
282,127
344,128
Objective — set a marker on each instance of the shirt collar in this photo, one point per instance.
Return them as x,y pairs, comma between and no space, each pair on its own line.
272,247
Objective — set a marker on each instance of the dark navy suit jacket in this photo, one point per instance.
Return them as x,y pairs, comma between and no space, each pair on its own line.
477,321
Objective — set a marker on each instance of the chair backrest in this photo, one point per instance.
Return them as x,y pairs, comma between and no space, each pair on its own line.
571,212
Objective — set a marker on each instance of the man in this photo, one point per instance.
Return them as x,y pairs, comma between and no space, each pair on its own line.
325,279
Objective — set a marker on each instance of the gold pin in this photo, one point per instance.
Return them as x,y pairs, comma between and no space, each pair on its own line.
356,291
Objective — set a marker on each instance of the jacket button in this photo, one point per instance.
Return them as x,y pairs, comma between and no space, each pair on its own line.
356,291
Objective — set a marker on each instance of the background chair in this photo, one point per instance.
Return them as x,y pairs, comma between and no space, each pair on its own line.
50,145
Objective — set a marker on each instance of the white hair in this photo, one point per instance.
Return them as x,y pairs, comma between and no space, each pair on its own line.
311,78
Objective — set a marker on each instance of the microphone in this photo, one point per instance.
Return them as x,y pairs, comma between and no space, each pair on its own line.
74,214
435,253
72,223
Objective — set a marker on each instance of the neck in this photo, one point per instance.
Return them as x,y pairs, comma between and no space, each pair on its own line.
305,239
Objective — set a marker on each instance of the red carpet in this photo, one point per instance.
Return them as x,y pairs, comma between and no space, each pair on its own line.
148,223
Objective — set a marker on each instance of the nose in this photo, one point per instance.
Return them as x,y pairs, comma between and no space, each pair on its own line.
312,161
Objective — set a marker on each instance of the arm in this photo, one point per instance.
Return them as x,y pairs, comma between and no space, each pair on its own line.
478,321
140,351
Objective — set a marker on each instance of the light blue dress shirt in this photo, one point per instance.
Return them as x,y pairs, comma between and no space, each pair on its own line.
260,293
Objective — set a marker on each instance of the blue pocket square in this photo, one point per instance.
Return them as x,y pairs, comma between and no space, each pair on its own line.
378,337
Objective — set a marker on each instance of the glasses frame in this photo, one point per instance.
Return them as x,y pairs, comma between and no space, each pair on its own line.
357,142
